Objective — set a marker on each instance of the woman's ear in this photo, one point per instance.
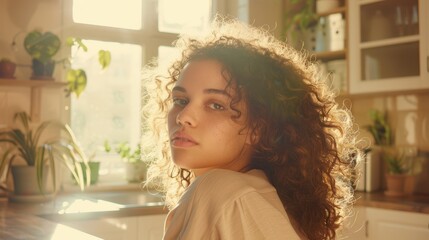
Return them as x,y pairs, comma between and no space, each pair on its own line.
253,136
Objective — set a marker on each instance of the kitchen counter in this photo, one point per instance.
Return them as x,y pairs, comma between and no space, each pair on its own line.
413,203
41,220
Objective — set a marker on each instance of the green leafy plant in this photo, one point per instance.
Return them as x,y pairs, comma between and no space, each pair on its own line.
301,15
395,162
125,151
25,143
76,78
380,129
43,46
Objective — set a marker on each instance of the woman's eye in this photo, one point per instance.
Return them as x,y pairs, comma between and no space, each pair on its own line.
180,101
216,106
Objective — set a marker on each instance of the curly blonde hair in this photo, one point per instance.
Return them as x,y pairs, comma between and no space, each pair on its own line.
306,143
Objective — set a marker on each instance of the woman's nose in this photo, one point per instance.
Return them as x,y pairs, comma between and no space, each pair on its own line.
187,117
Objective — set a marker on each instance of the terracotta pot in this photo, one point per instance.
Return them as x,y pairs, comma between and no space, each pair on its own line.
7,69
399,185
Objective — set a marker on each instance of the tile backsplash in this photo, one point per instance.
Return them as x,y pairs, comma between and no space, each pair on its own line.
408,116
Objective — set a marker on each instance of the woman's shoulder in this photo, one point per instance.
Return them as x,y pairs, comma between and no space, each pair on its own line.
223,185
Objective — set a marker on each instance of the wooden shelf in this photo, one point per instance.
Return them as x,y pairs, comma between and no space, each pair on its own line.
329,55
390,41
30,83
365,2
36,95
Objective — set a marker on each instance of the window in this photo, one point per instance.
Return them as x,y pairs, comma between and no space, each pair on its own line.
135,31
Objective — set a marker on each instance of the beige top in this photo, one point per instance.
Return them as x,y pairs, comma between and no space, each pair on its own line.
223,204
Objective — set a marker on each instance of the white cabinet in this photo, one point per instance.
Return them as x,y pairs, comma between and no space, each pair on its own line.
149,227
375,223
396,225
388,45
108,228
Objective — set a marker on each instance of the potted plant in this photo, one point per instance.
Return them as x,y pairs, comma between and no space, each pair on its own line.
399,177
39,156
303,14
43,46
135,167
300,24
94,169
7,68
380,129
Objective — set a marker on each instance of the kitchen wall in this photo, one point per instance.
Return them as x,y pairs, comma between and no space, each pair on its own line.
17,17
408,115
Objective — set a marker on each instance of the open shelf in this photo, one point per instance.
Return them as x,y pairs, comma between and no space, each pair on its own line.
390,41
30,83
36,88
329,55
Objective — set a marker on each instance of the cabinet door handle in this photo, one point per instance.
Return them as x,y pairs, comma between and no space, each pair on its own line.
427,63
366,229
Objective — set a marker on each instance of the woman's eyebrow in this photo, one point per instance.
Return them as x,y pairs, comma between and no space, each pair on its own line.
208,91
178,88
217,91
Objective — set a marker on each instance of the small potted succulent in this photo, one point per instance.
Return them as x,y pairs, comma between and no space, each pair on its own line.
400,177
39,152
7,68
135,167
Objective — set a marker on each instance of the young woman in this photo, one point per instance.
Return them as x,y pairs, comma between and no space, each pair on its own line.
255,146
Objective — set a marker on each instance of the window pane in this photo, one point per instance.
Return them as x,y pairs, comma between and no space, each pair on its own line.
167,54
111,13
176,16
109,107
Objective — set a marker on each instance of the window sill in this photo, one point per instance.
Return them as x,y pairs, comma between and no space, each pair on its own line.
103,187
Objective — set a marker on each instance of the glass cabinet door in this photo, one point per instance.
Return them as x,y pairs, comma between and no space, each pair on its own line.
387,42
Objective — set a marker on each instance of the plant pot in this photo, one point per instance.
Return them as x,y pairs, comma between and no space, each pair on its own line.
135,171
7,69
399,185
43,70
94,168
25,181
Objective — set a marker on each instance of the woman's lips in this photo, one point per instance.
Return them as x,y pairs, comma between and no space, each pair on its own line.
182,140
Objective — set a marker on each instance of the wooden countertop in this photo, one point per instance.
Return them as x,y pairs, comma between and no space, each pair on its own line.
413,203
42,220
15,225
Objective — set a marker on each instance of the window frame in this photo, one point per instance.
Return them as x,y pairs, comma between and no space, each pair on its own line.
148,37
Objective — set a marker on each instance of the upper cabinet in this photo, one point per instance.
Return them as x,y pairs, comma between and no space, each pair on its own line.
388,45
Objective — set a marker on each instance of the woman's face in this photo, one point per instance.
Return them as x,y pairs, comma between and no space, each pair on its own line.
203,133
